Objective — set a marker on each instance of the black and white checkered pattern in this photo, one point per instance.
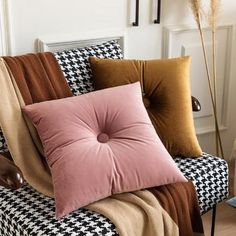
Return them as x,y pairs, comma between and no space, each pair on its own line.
76,68
210,177
75,65
26,212
3,145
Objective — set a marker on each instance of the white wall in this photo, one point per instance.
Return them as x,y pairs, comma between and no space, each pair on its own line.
181,14
32,19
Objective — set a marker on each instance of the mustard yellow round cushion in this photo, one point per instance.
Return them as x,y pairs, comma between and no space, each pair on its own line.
167,96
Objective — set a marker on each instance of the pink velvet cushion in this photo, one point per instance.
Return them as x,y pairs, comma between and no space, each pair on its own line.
99,144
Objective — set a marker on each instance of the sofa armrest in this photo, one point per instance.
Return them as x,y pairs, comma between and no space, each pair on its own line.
196,106
10,175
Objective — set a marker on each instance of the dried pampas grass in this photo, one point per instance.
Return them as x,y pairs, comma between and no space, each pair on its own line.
196,10
213,14
196,7
212,20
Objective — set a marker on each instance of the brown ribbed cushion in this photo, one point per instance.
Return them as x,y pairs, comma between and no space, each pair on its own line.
167,96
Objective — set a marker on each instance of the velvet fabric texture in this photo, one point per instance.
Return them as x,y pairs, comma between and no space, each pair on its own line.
24,80
38,77
19,140
107,133
167,98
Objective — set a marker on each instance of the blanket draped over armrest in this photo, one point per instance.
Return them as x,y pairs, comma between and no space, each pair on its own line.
166,210
38,77
25,80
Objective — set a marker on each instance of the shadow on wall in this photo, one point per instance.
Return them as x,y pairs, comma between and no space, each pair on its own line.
181,12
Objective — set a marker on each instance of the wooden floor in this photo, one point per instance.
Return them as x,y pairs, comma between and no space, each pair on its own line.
225,221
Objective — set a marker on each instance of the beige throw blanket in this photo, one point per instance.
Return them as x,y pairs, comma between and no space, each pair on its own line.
137,214
168,210
20,143
25,80
142,213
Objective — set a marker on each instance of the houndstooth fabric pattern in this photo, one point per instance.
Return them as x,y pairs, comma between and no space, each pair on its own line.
210,177
26,212
3,145
76,68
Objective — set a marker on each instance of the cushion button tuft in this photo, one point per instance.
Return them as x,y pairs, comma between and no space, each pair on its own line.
103,138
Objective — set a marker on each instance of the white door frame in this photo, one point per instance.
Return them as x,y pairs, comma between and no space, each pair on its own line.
4,29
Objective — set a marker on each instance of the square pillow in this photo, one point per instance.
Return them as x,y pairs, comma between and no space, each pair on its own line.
99,144
76,68
167,98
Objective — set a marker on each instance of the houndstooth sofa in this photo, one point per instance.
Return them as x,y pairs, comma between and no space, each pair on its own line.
27,212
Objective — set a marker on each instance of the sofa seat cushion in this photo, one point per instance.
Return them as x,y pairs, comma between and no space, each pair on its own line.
210,177
25,205
26,212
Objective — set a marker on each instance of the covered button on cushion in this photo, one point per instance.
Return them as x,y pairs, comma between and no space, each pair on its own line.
103,138
167,96
99,144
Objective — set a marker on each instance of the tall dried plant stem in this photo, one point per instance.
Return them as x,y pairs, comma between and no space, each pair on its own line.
212,96
212,19
215,88
196,9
